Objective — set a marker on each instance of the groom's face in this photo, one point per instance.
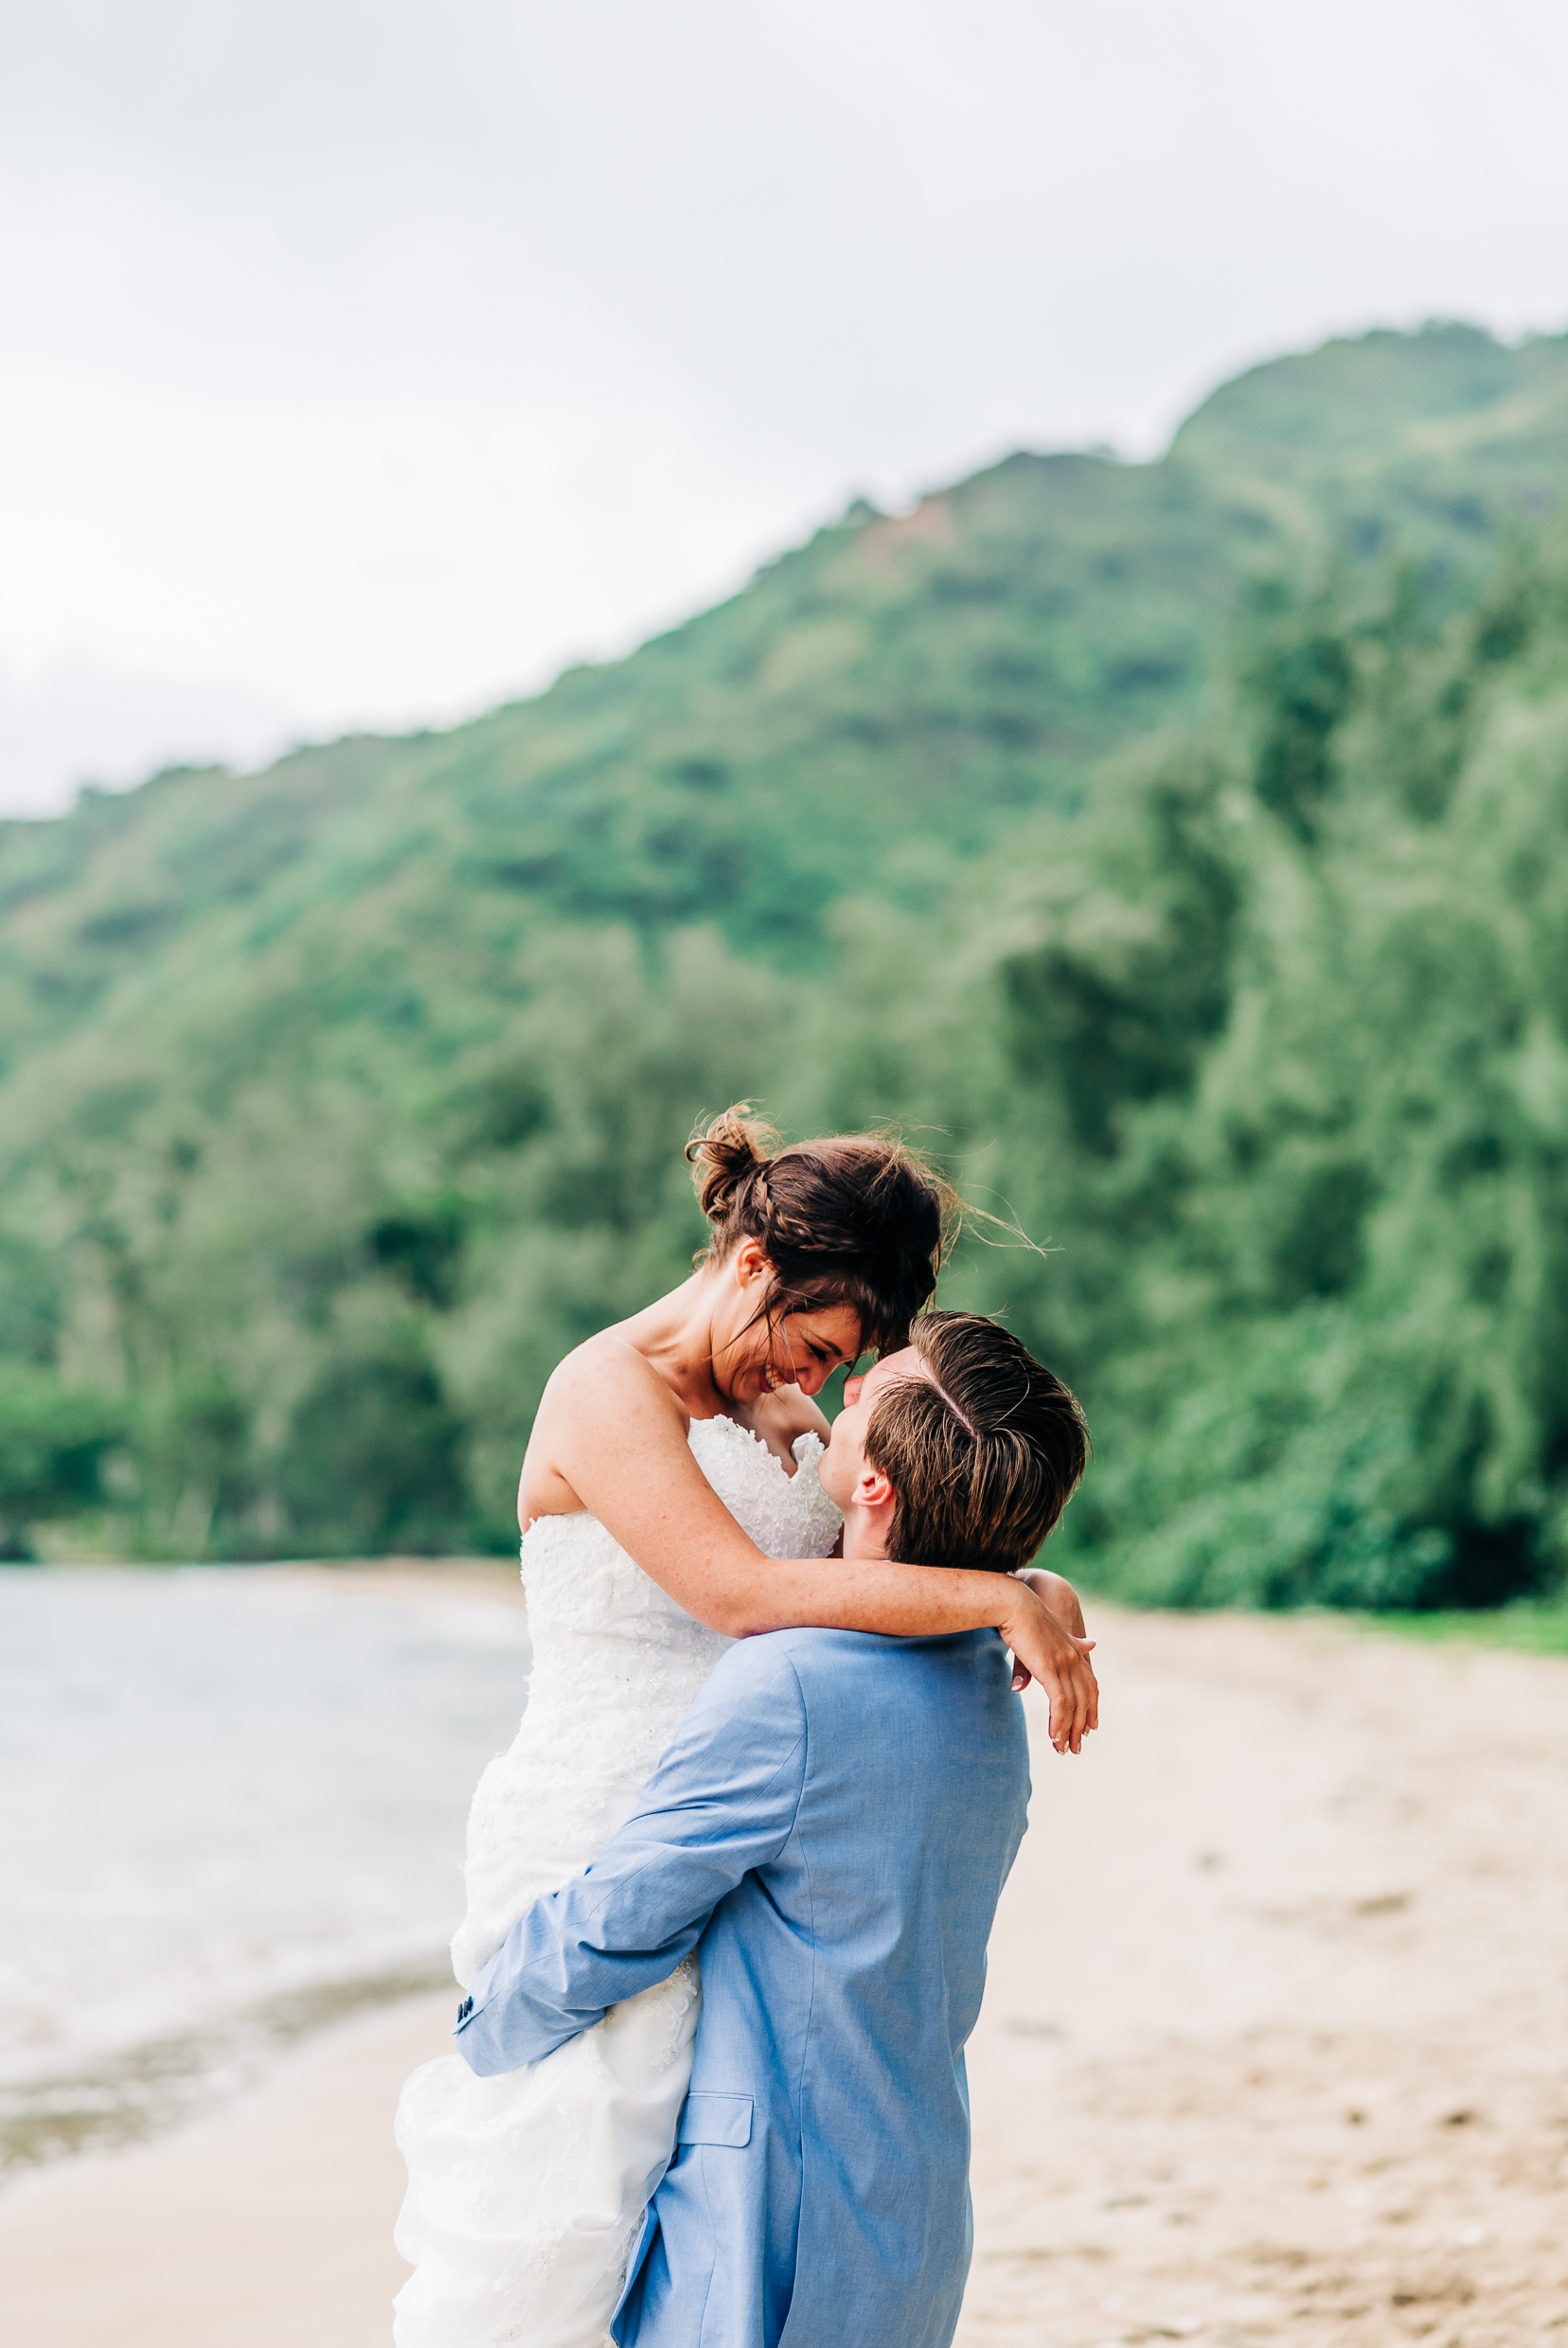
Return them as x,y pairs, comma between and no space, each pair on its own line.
844,1471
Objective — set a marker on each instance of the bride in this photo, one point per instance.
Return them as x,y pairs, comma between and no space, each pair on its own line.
670,1503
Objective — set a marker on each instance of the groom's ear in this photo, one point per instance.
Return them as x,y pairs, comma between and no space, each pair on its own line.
872,1489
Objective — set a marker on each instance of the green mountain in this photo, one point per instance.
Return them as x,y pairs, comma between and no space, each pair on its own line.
338,1099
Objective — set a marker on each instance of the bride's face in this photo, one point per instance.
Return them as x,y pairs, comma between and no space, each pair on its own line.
800,1349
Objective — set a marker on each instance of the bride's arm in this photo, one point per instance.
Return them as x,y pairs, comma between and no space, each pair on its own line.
608,1430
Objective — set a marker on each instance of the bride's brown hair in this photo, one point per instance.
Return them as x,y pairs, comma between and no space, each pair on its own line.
854,1219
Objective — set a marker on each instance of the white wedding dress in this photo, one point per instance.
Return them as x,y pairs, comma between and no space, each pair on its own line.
524,2191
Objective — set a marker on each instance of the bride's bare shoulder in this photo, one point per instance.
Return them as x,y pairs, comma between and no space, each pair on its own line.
605,1375
605,1412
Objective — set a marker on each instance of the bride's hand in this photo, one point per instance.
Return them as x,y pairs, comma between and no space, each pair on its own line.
1045,1650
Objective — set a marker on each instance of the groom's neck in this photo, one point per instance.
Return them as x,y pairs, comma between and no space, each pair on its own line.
863,1542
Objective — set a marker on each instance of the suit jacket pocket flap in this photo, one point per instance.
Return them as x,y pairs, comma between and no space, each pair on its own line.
716,2120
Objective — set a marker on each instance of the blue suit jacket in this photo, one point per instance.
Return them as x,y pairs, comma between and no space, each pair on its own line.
833,1825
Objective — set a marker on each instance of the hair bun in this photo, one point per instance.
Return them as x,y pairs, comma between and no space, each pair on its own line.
854,1219
726,1156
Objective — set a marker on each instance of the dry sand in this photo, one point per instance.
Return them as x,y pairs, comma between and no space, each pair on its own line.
1275,2046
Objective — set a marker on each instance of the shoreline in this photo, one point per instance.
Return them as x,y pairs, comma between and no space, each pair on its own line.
135,2097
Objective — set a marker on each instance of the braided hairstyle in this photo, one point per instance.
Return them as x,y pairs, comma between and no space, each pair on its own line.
856,1219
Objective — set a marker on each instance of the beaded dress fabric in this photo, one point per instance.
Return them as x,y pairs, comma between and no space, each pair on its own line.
524,2191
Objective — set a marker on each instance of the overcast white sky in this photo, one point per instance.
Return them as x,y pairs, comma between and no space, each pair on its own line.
362,361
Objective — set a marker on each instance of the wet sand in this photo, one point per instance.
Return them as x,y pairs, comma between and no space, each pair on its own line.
1275,2049
269,2224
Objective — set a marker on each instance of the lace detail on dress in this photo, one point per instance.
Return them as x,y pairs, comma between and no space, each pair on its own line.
678,1995
524,2191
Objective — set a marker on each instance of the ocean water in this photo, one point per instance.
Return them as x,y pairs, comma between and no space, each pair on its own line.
231,1808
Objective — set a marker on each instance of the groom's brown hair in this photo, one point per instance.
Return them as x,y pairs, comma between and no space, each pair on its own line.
983,1453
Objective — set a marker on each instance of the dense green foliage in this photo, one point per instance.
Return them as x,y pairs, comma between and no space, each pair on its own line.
1278,1051
1176,847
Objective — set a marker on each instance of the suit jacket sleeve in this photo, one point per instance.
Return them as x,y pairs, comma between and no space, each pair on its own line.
722,1802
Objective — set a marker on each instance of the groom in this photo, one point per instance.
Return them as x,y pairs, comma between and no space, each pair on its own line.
831,1826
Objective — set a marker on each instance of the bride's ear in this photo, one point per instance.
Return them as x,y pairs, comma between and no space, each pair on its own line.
750,1264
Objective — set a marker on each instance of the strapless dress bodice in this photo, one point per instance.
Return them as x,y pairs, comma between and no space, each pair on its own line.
582,1583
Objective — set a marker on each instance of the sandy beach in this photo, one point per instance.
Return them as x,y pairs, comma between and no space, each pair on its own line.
1275,2049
